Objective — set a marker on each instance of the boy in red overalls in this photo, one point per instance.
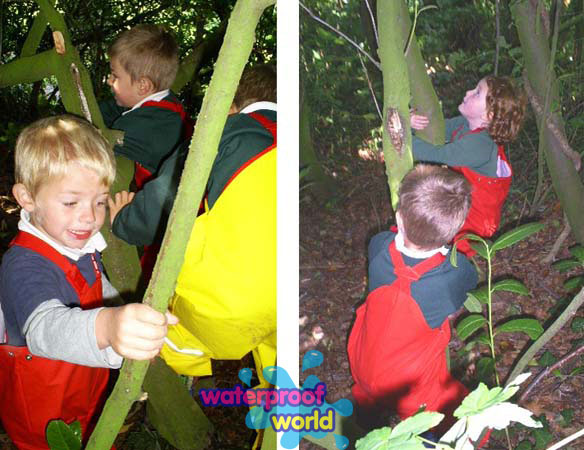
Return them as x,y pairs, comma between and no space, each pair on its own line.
491,115
59,341
398,342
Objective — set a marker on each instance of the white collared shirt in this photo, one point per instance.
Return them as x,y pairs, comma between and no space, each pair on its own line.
257,106
156,97
418,254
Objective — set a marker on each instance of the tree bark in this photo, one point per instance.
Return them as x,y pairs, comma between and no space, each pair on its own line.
396,94
565,179
424,98
232,59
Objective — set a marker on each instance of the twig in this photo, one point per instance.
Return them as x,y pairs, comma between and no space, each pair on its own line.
373,24
552,124
340,33
370,87
567,440
553,329
551,256
548,370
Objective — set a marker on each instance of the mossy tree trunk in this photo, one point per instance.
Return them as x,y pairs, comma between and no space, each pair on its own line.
536,52
232,59
396,94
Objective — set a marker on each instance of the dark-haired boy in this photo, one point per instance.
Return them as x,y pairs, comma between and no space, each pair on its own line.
398,341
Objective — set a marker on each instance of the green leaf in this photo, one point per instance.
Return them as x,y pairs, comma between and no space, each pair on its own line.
418,423
574,283
511,286
373,439
483,339
469,325
524,445
61,436
485,369
547,359
567,415
481,250
577,325
577,371
473,304
578,253
482,294
531,327
516,235
566,264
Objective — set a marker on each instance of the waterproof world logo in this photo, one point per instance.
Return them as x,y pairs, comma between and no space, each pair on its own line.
295,411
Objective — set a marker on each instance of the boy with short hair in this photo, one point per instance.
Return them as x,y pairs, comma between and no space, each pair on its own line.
398,342
144,62
60,341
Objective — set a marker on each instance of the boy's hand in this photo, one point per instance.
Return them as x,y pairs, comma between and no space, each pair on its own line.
120,200
134,331
418,122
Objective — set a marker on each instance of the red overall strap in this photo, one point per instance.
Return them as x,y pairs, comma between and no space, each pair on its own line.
72,273
143,175
269,125
177,108
412,273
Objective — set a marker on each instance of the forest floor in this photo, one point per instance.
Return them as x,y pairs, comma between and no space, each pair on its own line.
333,281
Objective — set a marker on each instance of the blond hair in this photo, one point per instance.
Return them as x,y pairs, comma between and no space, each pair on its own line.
46,149
433,204
147,51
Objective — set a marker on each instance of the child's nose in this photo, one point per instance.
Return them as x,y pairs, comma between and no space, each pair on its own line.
110,81
88,215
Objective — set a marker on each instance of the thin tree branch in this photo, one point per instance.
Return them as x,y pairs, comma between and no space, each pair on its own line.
548,370
370,87
552,123
547,335
373,24
344,36
551,256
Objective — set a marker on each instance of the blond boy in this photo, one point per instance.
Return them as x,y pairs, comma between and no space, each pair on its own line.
60,340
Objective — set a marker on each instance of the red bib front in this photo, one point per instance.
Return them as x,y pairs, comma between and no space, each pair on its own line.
36,390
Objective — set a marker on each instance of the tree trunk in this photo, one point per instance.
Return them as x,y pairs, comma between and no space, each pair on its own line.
565,179
232,59
424,98
308,159
396,94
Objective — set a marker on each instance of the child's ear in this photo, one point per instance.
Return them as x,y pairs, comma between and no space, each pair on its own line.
399,222
23,197
145,86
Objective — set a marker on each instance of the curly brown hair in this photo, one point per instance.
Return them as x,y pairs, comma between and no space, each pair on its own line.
506,105
433,204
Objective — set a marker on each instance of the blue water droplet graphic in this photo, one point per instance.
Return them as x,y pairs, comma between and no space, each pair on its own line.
342,442
245,376
311,359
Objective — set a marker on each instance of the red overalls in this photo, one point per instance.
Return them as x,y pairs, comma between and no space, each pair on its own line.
488,196
143,175
397,360
36,390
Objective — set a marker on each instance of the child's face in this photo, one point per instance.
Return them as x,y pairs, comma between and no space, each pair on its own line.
474,104
125,91
71,209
